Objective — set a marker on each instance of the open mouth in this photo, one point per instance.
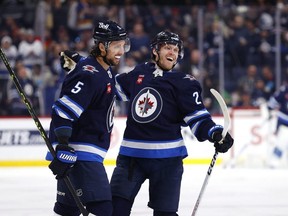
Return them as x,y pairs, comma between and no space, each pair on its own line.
170,59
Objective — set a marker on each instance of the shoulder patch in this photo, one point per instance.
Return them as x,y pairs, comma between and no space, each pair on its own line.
90,69
188,76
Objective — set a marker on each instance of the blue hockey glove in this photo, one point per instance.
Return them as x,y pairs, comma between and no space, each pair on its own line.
64,161
69,59
215,135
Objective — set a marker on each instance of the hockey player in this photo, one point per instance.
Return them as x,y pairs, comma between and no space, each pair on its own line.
161,101
279,102
82,120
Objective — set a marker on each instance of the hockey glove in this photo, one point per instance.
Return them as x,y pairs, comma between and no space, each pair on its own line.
64,161
216,137
69,59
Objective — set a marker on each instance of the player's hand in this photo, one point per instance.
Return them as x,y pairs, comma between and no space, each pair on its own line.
65,159
224,145
69,59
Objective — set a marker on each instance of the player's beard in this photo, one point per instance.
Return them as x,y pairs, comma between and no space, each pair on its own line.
110,61
165,66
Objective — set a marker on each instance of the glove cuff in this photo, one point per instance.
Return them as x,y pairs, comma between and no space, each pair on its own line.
212,130
66,154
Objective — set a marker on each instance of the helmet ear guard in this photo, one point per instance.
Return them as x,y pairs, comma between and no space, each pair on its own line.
168,38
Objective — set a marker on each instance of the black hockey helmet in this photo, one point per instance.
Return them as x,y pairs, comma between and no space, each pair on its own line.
168,38
107,31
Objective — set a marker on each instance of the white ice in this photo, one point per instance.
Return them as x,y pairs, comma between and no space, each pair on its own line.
229,192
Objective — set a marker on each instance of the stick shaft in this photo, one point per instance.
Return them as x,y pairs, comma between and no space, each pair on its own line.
213,161
227,122
40,128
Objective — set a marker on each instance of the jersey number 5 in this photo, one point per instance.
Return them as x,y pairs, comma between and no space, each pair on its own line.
77,87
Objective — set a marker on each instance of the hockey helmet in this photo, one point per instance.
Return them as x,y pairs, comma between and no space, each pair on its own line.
168,38
107,31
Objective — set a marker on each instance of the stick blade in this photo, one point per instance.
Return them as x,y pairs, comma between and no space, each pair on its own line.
223,106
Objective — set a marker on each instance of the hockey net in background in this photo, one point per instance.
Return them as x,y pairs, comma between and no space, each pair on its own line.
254,138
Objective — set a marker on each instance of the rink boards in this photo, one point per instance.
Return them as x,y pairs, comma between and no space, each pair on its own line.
22,145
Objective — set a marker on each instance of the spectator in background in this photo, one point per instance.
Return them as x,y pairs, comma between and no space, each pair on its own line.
43,17
85,15
237,42
265,48
192,66
60,13
269,82
72,18
11,52
31,49
247,81
258,96
9,26
15,103
139,43
244,100
253,40
157,21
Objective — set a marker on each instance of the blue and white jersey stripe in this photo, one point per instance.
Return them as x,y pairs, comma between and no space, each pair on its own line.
62,113
153,149
71,105
196,115
195,127
85,152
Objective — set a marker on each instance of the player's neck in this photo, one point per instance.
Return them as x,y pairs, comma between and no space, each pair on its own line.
102,62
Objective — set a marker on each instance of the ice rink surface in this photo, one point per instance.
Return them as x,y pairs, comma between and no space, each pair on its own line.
230,192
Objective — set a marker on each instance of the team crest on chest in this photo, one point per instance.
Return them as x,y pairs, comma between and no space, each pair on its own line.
147,105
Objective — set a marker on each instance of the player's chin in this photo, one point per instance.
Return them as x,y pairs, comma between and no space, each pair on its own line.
167,65
115,62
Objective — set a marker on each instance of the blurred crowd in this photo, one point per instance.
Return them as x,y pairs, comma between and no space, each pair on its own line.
32,33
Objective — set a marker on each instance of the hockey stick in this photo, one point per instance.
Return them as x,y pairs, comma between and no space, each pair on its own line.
40,129
227,122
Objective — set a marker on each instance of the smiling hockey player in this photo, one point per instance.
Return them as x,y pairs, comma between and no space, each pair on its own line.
161,101
82,121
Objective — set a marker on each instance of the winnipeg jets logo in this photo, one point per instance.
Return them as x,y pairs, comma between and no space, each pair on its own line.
103,26
147,105
90,68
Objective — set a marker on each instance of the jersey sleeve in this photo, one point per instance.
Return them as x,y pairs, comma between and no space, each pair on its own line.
75,97
277,98
123,84
196,116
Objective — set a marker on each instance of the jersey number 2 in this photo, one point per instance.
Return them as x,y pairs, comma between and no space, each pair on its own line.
196,95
